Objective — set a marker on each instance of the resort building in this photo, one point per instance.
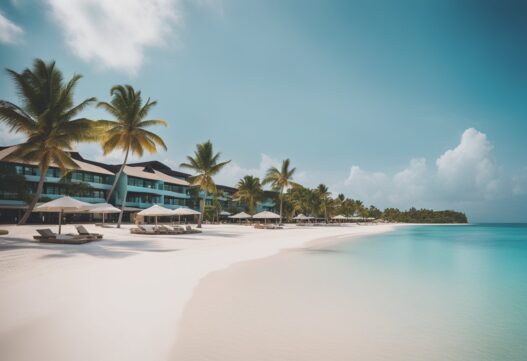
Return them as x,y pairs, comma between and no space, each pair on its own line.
140,186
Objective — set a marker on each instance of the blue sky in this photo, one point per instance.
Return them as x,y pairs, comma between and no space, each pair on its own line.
396,103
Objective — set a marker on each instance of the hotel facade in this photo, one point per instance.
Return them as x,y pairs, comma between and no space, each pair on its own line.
140,186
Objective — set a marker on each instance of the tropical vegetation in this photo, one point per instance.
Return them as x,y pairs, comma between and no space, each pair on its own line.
128,131
280,180
205,164
48,118
249,192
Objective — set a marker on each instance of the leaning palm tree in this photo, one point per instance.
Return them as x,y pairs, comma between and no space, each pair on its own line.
205,164
47,117
249,191
324,200
280,180
127,132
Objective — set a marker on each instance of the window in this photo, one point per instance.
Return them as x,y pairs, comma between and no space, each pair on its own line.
53,172
138,182
174,201
142,198
174,188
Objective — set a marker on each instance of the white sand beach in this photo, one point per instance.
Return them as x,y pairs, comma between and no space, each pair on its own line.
121,298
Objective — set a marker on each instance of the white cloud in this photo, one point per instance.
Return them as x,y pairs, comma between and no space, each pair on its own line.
9,138
114,34
10,33
410,184
469,169
465,174
233,172
366,185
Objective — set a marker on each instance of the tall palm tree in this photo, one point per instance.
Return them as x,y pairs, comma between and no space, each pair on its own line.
205,164
128,131
323,195
48,119
249,191
280,180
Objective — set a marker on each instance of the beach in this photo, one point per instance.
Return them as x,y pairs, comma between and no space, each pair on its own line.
429,292
122,298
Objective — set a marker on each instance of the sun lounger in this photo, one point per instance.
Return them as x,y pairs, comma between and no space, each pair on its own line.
47,236
84,232
178,230
189,229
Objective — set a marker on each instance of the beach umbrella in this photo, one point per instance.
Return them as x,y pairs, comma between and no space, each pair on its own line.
61,205
182,211
105,209
225,213
300,217
355,218
156,211
240,216
266,215
340,217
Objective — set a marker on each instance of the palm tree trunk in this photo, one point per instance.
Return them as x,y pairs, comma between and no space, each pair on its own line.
202,210
122,210
281,202
34,201
117,176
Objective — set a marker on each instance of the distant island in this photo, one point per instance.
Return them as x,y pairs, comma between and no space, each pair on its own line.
423,216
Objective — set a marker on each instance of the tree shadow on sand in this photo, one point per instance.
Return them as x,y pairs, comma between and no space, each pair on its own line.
102,249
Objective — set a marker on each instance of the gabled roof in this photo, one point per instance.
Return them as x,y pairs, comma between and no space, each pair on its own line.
226,188
83,165
152,174
162,167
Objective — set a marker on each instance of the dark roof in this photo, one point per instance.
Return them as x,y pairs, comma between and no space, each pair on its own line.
109,167
160,167
226,188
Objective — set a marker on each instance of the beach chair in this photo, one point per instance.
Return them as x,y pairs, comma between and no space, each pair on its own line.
148,229
84,232
179,230
165,230
189,229
47,236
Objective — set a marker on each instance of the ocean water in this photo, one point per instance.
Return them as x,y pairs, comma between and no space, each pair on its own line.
418,293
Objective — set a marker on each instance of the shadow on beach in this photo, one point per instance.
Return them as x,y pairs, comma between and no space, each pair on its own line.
103,248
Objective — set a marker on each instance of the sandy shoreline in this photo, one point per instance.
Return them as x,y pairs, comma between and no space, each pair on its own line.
121,298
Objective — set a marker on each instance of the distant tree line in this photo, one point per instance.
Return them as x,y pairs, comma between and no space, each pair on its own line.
423,216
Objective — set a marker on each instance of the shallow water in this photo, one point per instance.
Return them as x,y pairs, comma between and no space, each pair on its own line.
418,293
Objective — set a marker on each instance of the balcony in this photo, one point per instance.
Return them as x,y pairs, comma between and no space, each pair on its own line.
139,189
141,204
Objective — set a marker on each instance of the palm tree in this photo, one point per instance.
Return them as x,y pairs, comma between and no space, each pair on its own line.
323,195
47,118
280,180
205,165
127,132
249,191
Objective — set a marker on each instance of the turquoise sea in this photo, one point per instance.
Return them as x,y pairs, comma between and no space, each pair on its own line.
448,292
456,293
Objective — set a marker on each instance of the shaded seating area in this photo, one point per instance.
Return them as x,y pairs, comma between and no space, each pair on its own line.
47,236
163,229
267,226
266,215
